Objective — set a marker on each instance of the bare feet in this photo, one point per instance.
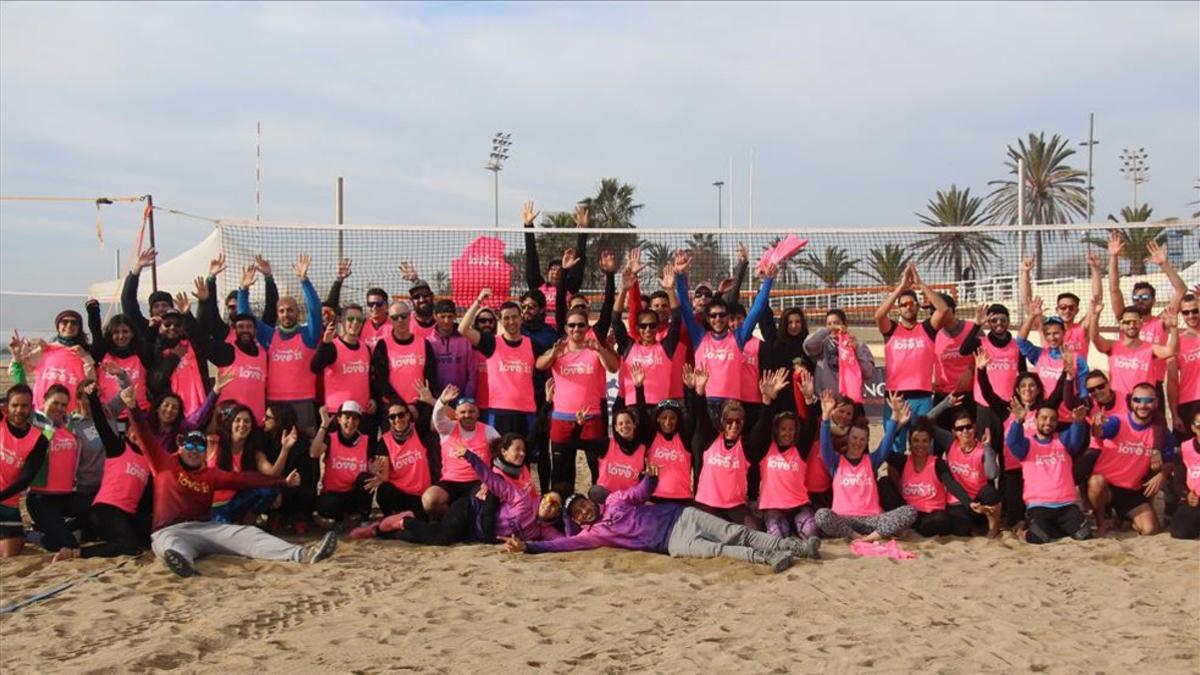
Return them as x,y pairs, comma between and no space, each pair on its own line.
65,554
874,536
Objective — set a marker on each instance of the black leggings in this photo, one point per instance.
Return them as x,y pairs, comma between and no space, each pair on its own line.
392,500
338,505
933,524
1047,524
123,533
50,513
963,520
1185,524
1012,484
454,527
563,461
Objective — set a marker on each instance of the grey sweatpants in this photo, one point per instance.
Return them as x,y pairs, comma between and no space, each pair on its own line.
702,535
888,523
194,539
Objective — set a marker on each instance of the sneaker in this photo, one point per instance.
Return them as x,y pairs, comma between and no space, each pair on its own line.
778,561
368,531
394,522
178,564
319,550
809,548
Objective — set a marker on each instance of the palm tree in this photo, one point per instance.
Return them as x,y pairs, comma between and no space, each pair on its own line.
831,268
707,262
956,208
613,206
1054,192
1136,238
657,255
887,264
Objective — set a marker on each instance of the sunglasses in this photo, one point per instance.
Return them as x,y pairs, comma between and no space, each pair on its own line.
704,294
577,325
353,319
194,447
529,307
421,296
1143,399
965,428
172,324
718,315
485,320
646,326
1129,322
397,416
733,421
1143,296
1189,312
906,305
376,303
1098,387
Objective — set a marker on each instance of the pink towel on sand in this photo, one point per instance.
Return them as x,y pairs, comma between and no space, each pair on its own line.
875,549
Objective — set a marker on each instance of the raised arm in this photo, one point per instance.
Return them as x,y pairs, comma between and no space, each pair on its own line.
533,266
466,325
1102,344
760,303
1158,256
1116,246
882,321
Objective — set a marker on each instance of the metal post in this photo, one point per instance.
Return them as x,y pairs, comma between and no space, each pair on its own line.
118,274
1021,235
338,214
1090,142
154,265
496,196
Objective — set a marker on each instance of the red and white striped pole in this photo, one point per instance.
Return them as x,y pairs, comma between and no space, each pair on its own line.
258,174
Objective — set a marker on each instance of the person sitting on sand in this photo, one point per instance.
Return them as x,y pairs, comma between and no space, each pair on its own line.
856,512
1185,524
183,495
1048,485
625,520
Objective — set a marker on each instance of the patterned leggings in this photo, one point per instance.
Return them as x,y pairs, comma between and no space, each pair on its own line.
798,522
888,523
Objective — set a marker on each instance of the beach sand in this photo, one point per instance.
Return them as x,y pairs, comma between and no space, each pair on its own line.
1117,605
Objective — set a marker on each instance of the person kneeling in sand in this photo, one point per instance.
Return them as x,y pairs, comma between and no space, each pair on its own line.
625,520
183,492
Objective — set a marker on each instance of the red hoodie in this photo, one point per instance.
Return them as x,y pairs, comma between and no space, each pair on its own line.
182,494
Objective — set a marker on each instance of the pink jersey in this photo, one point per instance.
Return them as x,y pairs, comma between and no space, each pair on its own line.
249,383
124,481
950,365
723,360
344,463
658,369
408,464
13,453
551,295
922,489
483,393
422,332
816,476
372,334
110,386
1130,366
1011,463
458,469
62,457
850,377
1047,472
289,373
406,365
510,376
722,483
674,464
750,392
347,378
578,381
909,359
854,490
1189,451
782,479
187,382
1188,361
59,365
619,471
1076,338
1125,458
1002,369
1155,333
967,468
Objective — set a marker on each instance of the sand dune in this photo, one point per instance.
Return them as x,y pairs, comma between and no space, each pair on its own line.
964,606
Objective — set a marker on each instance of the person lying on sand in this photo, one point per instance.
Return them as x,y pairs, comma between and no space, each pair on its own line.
625,520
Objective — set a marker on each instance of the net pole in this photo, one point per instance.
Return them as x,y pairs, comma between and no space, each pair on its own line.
150,220
339,195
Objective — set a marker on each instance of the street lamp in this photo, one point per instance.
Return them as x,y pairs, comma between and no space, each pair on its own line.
1091,141
1135,169
500,144
719,184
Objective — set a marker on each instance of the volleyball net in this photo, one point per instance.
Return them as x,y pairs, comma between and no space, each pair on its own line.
849,269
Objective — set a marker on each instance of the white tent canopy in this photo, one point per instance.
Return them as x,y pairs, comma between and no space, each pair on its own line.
176,275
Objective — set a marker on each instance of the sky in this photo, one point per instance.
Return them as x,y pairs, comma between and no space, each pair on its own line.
855,113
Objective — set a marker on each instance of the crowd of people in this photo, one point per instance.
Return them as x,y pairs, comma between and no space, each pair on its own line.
734,433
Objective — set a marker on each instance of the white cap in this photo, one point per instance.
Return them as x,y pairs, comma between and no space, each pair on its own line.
351,407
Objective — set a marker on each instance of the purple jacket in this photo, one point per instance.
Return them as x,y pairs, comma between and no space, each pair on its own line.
626,521
517,515
456,363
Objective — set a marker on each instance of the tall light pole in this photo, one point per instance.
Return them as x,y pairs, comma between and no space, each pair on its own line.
1135,170
718,184
500,146
1091,141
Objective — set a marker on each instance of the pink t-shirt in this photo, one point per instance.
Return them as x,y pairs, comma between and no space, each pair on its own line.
1130,366
723,359
578,381
1190,452
344,463
458,469
1188,360
124,480
909,359
722,483
58,365
750,392
658,369
13,453
816,476
61,459
1125,458
619,471
674,464
372,334
854,490
1002,369
187,382
249,383
922,490
110,386
409,465
510,376
1047,472
782,479
1076,338
1155,333
348,378
950,364
406,365
289,372
967,468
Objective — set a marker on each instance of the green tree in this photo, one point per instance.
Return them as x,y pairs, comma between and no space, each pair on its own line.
613,206
656,255
1054,191
954,250
1136,238
887,264
709,265
830,268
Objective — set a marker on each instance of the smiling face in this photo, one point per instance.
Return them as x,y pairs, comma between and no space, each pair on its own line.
485,322
68,327
624,424
422,299
377,304
553,273
1190,311
169,410
1052,333
668,421
718,317
447,322
964,433
577,327
288,313
348,422
856,442
732,422
55,407
514,452
647,327
468,415
241,426
352,323
172,327
662,308
122,335
1098,389
1143,300
1047,421
998,323
19,408
510,321
785,433
1131,323
399,417
919,443
584,511
1068,309
1027,389
1143,401
907,305
530,310
245,332
842,415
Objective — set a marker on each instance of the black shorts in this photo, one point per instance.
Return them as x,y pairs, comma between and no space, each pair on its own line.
1125,501
11,526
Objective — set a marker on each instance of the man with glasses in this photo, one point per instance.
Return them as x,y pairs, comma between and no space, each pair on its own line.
344,364
59,361
1152,329
909,347
509,358
1004,365
377,324
1047,360
1132,446
180,352
1183,377
1131,359
400,361
423,322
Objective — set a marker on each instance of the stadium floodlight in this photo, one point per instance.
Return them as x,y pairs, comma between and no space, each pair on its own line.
501,143
718,184
1135,169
